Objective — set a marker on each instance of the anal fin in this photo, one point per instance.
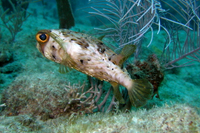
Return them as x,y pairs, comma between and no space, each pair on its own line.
117,93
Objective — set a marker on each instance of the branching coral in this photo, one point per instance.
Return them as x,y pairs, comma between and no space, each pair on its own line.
105,101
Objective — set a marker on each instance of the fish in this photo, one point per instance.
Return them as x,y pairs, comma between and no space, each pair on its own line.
91,56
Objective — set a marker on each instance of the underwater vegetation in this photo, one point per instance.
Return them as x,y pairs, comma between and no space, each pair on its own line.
129,20
13,13
46,99
176,118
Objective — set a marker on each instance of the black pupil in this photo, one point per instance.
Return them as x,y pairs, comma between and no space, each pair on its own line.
43,37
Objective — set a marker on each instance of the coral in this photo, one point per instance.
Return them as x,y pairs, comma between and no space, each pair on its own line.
45,98
104,99
128,21
185,42
5,57
9,66
149,70
13,21
8,4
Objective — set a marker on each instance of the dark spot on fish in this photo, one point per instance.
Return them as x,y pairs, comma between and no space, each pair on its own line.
107,66
101,73
111,58
83,43
73,39
53,46
101,50
100,43
89,59
81,61
54,57
65,32
112,68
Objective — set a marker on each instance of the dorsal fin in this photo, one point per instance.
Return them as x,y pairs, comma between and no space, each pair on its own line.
126,52
64,69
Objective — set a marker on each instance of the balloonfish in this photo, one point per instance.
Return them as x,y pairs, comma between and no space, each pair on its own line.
91,56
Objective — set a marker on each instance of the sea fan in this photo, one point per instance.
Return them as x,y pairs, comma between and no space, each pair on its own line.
130,20
187,52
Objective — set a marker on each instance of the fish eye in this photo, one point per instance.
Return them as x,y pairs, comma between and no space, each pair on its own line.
42,37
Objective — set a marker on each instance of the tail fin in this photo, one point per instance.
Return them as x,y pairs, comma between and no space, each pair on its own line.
140,92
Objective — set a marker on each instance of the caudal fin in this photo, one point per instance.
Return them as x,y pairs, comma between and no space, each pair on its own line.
140,92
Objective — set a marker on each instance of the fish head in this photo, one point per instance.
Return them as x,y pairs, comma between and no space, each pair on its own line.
49,45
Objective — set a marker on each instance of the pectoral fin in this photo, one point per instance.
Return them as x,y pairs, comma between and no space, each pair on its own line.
64,69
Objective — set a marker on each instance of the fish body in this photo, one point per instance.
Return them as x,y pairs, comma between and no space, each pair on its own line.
90,56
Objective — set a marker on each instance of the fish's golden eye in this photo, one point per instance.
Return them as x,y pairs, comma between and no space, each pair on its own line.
42,37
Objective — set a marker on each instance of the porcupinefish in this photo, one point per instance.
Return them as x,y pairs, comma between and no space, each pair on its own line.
91,56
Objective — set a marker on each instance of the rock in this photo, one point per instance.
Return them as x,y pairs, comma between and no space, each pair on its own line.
5,57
